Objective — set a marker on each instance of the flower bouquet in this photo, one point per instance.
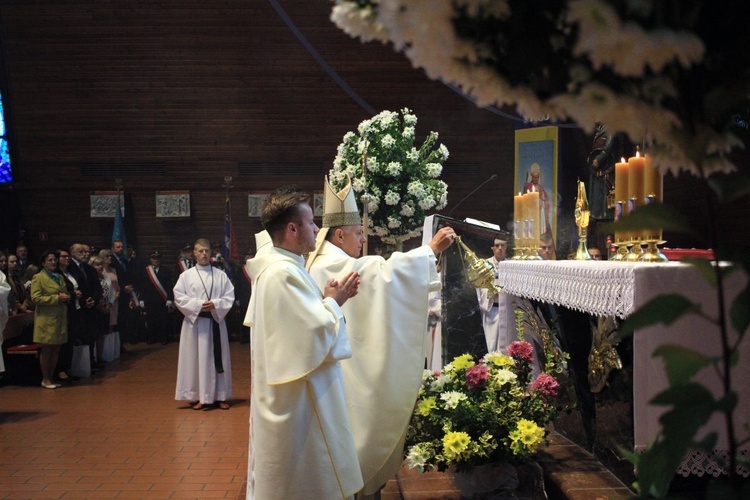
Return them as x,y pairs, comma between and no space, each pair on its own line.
394,179
479,412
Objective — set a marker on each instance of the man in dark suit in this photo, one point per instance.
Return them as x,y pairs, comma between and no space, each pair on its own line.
157,299
86,328
125,315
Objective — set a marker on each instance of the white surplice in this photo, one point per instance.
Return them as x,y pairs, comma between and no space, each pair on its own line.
498,333
301,444
197,378
387,321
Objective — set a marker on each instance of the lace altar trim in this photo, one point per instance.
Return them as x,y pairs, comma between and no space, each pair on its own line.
699,463
599,289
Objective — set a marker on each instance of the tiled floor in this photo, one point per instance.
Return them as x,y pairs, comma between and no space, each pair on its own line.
121,434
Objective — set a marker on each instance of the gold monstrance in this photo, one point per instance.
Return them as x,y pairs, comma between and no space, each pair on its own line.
582,213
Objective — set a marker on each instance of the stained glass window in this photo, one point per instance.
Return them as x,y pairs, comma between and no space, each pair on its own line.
6,175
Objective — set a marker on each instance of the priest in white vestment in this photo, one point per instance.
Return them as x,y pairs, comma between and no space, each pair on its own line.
386,322
204,295
301,444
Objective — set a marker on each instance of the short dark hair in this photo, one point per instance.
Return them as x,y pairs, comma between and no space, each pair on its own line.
46,254
282,207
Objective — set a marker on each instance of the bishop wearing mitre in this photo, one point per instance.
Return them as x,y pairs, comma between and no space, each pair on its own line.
386,322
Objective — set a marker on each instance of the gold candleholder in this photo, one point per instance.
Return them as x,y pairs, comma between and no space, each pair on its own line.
652,252
635,252
652,239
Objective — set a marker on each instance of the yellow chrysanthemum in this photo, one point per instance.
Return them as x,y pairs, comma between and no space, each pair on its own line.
499,359
455,443
527,433
425,406
464,361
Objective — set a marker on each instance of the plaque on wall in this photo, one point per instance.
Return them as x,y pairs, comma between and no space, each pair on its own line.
254,204
172,204
104,204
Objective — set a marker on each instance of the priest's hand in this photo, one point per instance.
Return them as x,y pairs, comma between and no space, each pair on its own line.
442,240
341,291
207,306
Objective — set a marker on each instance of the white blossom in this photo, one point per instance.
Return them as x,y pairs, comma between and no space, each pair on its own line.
387,141
452,398
407,210
393,169
392,198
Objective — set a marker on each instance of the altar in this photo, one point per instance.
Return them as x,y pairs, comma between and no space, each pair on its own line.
614,289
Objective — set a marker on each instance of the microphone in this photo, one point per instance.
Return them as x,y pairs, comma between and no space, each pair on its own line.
493,176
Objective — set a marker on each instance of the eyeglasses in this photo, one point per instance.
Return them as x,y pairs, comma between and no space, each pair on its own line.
65,256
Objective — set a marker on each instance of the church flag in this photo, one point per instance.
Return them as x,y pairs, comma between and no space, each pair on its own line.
229,248
118,233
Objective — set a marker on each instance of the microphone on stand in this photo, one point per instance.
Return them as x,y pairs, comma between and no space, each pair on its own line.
493,176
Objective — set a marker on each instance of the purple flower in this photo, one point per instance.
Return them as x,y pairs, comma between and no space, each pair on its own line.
476,376
521,349
546,384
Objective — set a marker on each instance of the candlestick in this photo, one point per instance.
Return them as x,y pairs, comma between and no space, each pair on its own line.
653,184
535,216
621,196
636,169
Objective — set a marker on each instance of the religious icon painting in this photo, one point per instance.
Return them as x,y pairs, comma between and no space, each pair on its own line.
536,169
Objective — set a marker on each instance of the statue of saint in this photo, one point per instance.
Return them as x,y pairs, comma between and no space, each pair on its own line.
601,164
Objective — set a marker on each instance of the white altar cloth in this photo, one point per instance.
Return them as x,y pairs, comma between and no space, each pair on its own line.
618,289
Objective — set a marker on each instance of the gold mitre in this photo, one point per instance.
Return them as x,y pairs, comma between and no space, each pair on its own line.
340,209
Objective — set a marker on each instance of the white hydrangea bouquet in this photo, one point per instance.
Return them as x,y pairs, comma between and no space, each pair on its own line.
475,413
397,181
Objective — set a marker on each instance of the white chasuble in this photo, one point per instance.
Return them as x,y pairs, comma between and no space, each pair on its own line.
386,321
197,377
301,443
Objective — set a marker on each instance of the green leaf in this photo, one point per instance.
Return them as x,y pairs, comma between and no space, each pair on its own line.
655,216
704,267
730,188
655,469
708,443
739,313
661,309
692,393
681,363
728,403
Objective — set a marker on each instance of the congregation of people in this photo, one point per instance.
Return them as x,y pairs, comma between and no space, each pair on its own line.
79,295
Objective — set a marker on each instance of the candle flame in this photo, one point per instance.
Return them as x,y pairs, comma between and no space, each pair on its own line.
622,159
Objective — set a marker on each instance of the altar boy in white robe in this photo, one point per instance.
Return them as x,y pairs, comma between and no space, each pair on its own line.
301,444
387,322
204,295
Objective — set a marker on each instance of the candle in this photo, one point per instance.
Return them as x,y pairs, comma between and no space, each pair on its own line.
636,171
652,181
518,207
621,183
535,216
517,216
